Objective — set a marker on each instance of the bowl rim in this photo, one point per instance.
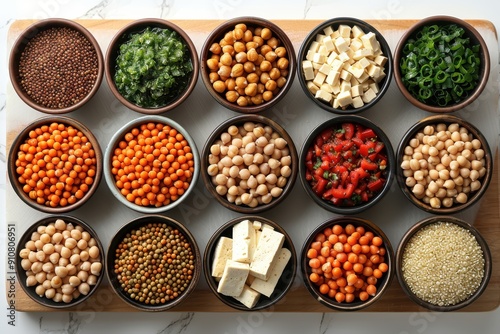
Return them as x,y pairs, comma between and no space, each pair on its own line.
133,224
208,258
471,32
138,25
382,287
434,220
21,137
447,119
390,157
249,20
384,85
30,32
239,119
120,133
21,273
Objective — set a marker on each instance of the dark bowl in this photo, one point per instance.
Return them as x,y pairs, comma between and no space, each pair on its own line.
240,121
134,225
382,283
383,83
475,39
122,36
457,206
14,176
251,22
22,275
284,283
19,47
347,208
120,135
452,220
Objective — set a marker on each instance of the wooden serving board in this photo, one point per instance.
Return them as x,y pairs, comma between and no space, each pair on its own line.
395,215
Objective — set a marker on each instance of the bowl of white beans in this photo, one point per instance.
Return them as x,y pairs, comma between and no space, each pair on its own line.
444,164
60,261
249,164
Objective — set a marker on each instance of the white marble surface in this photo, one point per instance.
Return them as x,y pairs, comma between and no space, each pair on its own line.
173,322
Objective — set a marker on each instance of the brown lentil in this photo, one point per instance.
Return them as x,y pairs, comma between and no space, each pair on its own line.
154,264
53,276
58,67
443,264
248,65
56,165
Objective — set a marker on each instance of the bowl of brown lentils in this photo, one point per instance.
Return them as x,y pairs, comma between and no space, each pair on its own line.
443,263
444,164
154,263
249,164
248,64
56,66
60,261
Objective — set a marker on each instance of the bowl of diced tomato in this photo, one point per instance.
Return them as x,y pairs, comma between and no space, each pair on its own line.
347,164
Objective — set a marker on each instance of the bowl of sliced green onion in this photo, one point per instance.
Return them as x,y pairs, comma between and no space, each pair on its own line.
151,66
441,64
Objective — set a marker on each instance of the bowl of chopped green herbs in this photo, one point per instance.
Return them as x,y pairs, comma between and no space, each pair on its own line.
151,66
441,64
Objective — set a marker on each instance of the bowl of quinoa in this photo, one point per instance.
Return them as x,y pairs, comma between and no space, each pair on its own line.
443,263
56,66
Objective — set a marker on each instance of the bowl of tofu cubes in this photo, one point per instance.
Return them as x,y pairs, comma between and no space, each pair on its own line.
250,263
345,65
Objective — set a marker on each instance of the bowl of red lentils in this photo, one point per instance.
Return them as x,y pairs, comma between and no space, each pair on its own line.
444,164
249,164
347,164
55,164
443,263
56,66
151,66
347,263
153,263
248,64
345,65
151,164
60,261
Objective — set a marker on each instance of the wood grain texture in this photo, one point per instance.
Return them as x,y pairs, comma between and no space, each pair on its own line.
298,299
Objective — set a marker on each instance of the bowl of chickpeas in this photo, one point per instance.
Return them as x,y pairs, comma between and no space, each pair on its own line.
153,263
60,261
444,164
249,164
55,164
151,164
347,263
248,64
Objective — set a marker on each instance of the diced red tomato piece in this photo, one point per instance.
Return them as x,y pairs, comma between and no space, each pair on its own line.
348,130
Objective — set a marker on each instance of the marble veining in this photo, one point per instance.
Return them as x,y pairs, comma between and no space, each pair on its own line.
98,11
179,325
72,326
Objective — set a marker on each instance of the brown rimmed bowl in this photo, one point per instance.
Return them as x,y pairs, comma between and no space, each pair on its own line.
334,24
451,220
20,45
473,197
120,136
23,136
138,223
22,275
122,36
251,22
284,283
388,172
382,284
475,39
240,121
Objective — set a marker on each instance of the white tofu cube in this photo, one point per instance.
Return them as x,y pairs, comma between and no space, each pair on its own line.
319,79
325,68
248,297
332,78
373,71
267,287
319,58
307,67
355,70
314,46
356,91
380,60
380,77
331,57
257,225
244,241
364,76
323,95
337,65
344,98
328,31
362,53
270,242
312,88
223,252
341,44
319,38
233,279
344,30
328,43
335,103
374,87
345,86
357,102
344,75
326,87
370,41
322,50
357,32
363,63
368,95
309,55
344,57
336,89
356,44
